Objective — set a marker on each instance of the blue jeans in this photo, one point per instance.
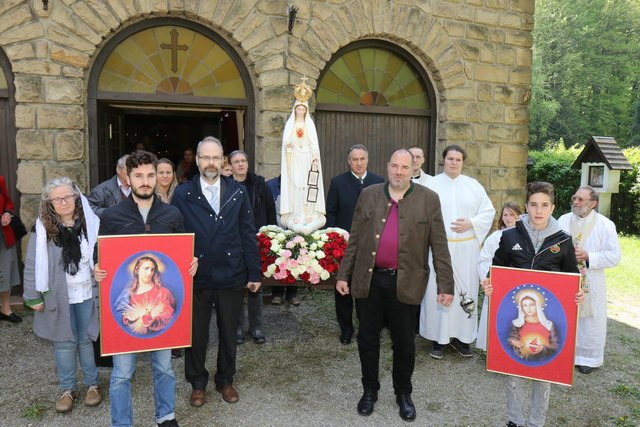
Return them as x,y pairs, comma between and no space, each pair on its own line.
67,353
164,387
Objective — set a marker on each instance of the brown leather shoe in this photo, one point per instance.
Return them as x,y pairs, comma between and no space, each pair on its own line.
64,402
229,394
197,398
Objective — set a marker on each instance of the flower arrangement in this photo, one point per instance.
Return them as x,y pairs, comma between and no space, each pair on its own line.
289,257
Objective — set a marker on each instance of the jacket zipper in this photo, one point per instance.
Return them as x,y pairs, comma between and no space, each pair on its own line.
533,260
228,200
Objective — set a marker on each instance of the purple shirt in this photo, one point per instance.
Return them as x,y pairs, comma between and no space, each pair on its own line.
387,254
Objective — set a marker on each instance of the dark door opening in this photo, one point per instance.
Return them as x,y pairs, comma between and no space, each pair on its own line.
164,132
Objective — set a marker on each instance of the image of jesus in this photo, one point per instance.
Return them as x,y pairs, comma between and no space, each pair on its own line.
146,306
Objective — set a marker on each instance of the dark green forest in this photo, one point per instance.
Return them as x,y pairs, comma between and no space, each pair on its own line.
586,72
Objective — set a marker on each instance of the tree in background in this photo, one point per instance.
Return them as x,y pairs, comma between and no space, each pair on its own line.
586,70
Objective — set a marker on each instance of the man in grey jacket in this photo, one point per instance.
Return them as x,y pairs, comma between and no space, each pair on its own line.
111,192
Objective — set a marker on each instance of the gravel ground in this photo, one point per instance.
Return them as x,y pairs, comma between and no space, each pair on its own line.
303,376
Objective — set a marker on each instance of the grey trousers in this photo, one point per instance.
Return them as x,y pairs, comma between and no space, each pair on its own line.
514,387
254,307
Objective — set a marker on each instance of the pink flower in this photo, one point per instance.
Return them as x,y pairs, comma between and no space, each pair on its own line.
290,244
286,253
298,239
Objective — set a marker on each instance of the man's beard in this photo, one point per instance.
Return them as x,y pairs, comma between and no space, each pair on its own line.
580,211
141,195
211,173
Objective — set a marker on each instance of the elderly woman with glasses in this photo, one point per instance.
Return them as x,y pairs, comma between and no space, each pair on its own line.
59,287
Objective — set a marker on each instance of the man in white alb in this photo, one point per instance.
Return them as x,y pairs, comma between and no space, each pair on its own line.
468,216
597,247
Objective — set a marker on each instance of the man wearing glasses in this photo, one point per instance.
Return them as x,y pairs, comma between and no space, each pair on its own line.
217,209
597,247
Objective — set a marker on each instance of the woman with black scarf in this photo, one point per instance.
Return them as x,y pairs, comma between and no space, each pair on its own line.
59,287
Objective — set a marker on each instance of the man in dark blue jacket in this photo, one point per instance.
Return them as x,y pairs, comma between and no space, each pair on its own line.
217,209
344,191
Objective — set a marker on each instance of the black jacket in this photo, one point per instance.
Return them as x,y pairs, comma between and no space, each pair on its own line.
125,218
226,244
264,207
344,191
516,250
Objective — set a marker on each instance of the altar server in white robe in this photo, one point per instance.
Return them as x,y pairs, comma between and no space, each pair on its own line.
510,214
597,247
468,216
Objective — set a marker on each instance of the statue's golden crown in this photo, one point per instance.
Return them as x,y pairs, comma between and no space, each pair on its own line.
302,91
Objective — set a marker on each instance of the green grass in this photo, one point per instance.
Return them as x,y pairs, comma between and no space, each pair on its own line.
36,411
623,281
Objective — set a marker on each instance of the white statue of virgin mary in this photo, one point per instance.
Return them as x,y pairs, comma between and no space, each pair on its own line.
302,206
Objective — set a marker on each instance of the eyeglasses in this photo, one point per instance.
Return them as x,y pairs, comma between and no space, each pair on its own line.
580,199
210,158
67,199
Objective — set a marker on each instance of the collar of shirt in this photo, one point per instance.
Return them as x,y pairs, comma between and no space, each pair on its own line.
359,177
386,189
125,189
206,185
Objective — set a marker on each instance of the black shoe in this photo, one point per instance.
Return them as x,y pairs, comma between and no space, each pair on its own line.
437,351
367,401
176,353
407,409
345,337
512,424
169,423
12,317
585,369
240,337
258,337
461,348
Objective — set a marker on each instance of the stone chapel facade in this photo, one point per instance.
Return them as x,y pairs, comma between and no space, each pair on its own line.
83,81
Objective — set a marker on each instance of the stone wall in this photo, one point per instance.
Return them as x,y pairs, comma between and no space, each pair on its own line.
477,53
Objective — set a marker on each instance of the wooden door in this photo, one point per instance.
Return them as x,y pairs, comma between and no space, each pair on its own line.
380,133
111,142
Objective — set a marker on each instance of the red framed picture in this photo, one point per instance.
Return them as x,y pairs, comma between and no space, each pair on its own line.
145,300
532,324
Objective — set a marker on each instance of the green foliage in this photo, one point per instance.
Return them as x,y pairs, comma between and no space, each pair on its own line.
586,62
554,165
625,206
36,411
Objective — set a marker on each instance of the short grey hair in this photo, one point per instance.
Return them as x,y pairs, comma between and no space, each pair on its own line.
238,153
357,147
211,139
122,162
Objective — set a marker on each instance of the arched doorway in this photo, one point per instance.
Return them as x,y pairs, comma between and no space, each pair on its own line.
8,158
166,83
373,93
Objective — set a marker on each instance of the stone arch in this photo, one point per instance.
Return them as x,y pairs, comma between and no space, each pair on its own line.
424,36
127,31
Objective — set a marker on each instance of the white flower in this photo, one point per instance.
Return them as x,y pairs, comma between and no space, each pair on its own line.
281,236
320,255
275,246
324,275
313,246
270,269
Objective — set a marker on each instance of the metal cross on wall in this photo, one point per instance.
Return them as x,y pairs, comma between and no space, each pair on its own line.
175,47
